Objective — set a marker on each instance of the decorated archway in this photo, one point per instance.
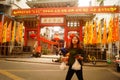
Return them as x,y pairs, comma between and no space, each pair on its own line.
59,17
72,19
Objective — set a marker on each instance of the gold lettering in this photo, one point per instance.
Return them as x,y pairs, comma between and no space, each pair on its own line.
62,10
65,10
70,10
55,11
108,9
85,10
58,10
54,19
105,9
44,11
76,10
113,9
49,20
99,10
14,12
102,9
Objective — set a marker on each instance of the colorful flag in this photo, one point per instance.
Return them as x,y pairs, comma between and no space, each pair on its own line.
91,33
88,33
17,34
9,32
85,33
13,31
99,33
115,31
4,32
0,32
94,41
21,32
104,39
109,39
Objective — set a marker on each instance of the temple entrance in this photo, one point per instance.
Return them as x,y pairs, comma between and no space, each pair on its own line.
87,22
51,39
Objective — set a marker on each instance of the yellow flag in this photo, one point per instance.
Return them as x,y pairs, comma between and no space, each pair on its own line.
21,32
4,32
17,34
109,39
104,39
9,32
94,33
13,31
91,33
99,33
85,33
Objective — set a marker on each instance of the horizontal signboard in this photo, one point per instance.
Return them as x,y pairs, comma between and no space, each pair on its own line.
52,20
67,10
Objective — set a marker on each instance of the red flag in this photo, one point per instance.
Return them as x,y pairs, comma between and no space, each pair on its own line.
9,32
4,32
115,28
0,32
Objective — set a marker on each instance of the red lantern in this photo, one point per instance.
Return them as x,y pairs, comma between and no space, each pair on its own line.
33,35
56,39
72,35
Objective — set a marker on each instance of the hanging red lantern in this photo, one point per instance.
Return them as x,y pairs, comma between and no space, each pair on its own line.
56,39
72,35
33,35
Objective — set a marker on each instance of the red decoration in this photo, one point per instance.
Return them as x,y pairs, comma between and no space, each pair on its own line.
72,35
56,39
32,35
67,10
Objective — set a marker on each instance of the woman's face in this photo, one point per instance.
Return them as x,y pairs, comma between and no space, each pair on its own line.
75,40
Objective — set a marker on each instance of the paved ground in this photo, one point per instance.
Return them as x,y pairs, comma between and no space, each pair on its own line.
15,70
48,59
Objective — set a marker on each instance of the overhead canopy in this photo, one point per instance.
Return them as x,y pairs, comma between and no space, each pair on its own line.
51,3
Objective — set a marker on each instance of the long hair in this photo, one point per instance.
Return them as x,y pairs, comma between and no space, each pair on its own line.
78,43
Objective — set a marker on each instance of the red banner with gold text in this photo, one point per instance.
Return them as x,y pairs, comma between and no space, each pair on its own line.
66,10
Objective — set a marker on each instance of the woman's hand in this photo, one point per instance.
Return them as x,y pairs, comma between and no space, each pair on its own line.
64,59
79,57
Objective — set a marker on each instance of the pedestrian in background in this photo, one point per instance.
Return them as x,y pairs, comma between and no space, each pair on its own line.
75,52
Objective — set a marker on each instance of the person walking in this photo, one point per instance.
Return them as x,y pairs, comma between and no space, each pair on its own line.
75,52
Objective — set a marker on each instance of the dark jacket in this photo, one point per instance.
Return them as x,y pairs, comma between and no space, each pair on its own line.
73,53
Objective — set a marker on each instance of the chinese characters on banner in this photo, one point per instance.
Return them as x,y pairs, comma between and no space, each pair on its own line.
64,11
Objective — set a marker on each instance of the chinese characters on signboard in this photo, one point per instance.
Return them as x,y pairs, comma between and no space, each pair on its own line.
63,11
52,20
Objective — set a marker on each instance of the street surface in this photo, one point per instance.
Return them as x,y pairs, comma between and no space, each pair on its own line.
11,70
